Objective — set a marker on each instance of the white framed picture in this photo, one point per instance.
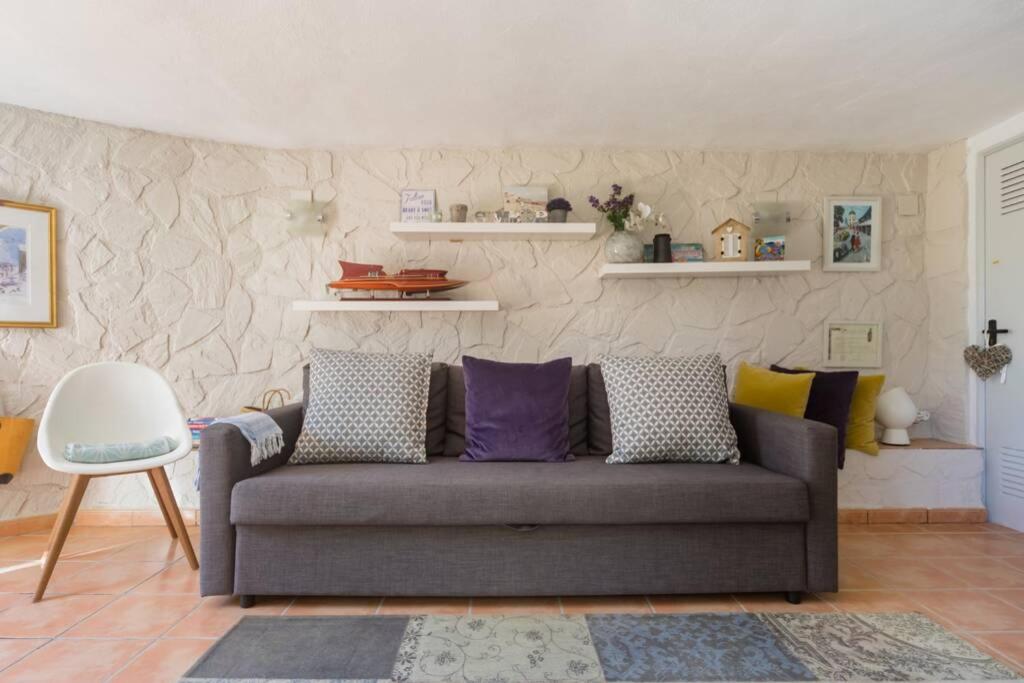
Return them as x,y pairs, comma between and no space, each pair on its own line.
852,234
28,265
418,206
853,344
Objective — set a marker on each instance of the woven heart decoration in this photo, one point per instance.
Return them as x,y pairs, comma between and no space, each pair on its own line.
987,361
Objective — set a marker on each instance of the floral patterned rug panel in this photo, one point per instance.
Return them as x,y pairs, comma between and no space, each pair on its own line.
598,647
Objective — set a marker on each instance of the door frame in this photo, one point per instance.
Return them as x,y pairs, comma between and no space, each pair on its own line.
979,146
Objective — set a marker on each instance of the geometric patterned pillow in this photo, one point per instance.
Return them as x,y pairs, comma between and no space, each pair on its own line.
669,410
365,407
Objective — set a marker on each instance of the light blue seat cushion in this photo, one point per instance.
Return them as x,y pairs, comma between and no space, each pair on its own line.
99,453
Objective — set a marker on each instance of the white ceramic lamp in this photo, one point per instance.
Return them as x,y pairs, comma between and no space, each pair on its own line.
895,411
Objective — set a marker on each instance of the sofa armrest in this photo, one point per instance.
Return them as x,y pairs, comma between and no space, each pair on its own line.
224,460
806,450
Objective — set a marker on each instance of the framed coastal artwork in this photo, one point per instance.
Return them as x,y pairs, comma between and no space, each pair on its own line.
28,265
853,233
522,198
850,344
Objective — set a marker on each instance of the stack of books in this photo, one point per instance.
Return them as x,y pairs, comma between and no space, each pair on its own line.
197,425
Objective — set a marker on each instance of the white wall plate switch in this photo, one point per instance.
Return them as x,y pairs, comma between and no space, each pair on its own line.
907,205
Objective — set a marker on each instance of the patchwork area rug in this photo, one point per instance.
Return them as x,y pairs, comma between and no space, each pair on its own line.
683,647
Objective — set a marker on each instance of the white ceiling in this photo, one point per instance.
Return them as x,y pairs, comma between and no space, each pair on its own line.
783,74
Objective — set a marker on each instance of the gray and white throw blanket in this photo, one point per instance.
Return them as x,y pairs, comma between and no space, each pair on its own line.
264,436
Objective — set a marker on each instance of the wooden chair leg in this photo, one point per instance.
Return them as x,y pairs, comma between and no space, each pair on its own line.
163,488
163,506
66,516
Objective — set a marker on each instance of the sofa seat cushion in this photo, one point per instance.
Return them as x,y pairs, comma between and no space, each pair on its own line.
587,491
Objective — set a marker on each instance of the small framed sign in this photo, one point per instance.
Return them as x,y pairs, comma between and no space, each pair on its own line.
418,206
850,344
28,265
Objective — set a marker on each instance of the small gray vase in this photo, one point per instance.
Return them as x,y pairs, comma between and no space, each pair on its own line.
623,246
557,215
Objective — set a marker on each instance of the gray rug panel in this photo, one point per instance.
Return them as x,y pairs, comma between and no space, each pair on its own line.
304,649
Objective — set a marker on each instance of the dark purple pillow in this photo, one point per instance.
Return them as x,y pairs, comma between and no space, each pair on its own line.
829,402
517,411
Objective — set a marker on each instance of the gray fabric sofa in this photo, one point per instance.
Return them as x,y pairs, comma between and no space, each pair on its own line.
450,528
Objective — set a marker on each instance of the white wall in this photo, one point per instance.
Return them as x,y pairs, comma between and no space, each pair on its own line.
173,252
945,238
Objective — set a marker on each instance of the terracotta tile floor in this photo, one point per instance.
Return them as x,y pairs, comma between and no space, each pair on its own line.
124,606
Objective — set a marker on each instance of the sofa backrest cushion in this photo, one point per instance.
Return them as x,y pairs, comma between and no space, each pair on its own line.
455,437
437,405
599,416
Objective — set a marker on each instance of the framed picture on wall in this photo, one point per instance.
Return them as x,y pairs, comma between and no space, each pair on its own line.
28,265
853,233
852,344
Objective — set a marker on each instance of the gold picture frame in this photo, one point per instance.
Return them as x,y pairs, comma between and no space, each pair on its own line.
39,314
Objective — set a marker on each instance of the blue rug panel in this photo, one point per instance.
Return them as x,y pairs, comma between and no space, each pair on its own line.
692,647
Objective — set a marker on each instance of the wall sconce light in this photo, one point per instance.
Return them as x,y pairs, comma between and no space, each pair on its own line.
772,217
305,216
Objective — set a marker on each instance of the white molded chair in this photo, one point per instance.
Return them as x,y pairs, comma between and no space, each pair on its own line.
111,403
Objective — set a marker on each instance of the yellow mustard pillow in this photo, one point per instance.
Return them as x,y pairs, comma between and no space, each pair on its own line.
775,391
860,429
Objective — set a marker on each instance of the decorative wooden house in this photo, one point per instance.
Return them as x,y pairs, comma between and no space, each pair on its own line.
731,241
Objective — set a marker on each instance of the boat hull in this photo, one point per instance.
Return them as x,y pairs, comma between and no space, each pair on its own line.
362,277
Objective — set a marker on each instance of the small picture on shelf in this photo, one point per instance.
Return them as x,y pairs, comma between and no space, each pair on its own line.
687,252
418,206
771,248
682,252
525,201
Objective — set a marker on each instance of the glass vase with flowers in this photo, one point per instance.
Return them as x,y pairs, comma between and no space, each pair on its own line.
624,244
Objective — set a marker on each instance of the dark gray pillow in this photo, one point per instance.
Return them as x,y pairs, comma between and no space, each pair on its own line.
599,419
669,410
365,407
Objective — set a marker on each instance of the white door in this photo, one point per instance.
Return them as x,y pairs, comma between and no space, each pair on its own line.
1004,287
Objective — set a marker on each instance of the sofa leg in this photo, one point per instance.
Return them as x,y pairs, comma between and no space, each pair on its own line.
246,601
794,597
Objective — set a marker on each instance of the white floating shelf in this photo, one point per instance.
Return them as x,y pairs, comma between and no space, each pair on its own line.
630,271
493,231
390,306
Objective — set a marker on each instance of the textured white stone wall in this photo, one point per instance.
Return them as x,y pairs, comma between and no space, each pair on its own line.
913,478
173,252
945,240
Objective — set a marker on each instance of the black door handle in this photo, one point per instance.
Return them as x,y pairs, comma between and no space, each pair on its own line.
993,332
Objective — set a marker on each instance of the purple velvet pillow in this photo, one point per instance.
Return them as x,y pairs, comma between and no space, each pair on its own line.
517,411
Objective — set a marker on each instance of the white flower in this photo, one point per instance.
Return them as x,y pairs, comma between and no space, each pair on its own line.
643,210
